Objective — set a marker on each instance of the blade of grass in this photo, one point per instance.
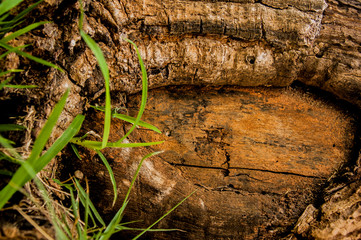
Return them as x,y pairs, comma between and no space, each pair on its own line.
7,5
21,31
31,57
11,127
105,71
111,174
75,207
45,132
147,229
86,212
3,17
21,86
130,119
82,195
118,217
8,158
75,151
144,92
110,230
13,50
98,145
6,172
7,144
3,83
21,15
10,71
21,176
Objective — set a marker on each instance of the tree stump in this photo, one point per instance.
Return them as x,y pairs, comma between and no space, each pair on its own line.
231,93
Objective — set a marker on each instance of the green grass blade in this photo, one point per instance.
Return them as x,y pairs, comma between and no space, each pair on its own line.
91,205
117,218
98,145
86,215
5,172
3,17
133,120
60,143
21,31
111,228
25,12
7,5
21,86
145,230
10,71
136,174
31,57
13,50
130,120
14,154
75,151
105,71
111,174
11,127
21,176
75,207
122,228
3,83
144,91
8,158
45,132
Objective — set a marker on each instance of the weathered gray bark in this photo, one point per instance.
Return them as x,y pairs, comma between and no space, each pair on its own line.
267,43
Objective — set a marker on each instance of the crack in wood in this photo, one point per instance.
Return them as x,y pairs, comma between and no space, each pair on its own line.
248,169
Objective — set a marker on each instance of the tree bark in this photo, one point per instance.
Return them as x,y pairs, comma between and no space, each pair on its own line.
262,121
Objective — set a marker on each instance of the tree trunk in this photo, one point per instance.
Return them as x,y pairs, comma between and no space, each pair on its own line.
258,102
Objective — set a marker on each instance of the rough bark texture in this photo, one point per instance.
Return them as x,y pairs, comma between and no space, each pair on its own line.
259,156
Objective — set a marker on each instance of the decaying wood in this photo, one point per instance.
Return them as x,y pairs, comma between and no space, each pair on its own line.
259,156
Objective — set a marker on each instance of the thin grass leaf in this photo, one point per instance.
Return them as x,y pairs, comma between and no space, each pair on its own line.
56,223
86,212
144,91
147,229
105,71
11,127
75,207
3,17
98,145
75,151
21,15
82,195
7,5
3,83
45,132
8,158
31,57
10,71
21,86
13,50
21,176
111,174
22,31
130,119
110,230
60,143
9,148
8,26
6,172
122,228
135,177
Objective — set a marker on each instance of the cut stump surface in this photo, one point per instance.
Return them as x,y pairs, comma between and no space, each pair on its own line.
257,156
